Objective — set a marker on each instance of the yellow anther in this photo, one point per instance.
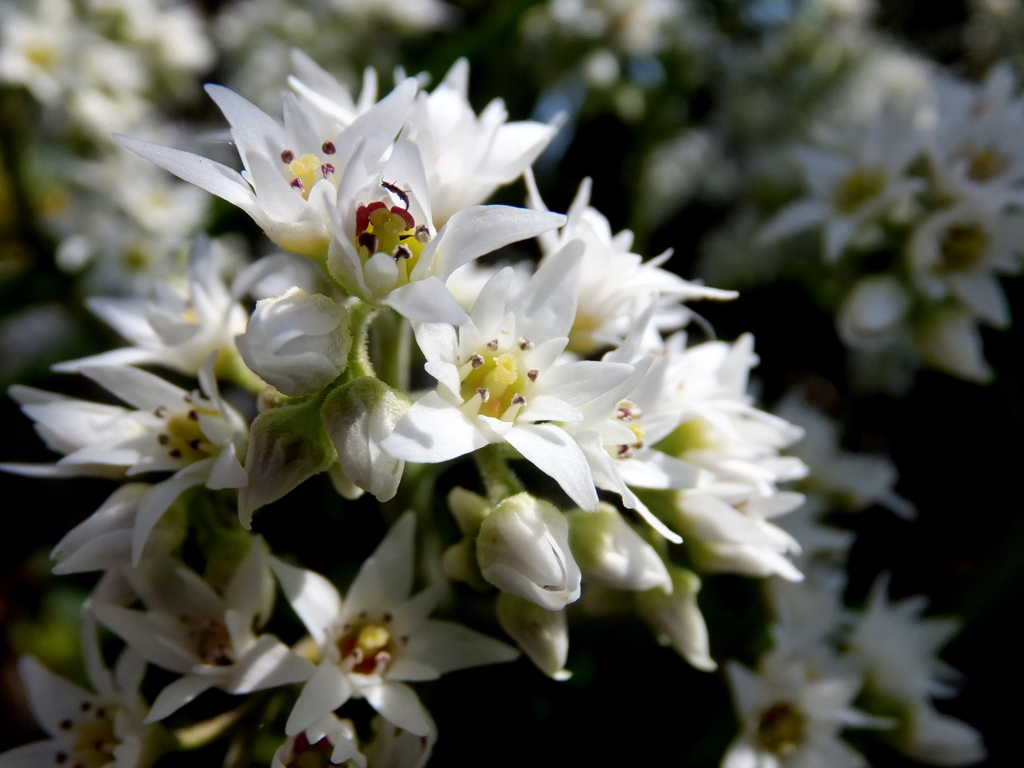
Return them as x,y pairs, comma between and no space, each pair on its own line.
637,430
858,187
372,638
95,743
305,170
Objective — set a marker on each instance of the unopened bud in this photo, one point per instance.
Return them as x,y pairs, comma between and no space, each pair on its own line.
523,549
542,634
676,619
358,416
297,342
611,554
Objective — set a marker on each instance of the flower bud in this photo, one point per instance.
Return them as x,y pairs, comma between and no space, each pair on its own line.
676,619
872,311
542,634
611,554
298,342
523,549
358,416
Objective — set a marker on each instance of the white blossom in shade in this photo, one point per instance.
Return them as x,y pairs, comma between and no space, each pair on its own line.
937,739
611,554
378,638
297,342
386,249
467,157
857,480
959,252
676,619
976,146
86,728
542,634
874,312
790,719
104,539
330,738
523,549
408,15
392,747
37,50
499,380
358,417
951,342
851,183
616,286
291,170
176,331
196,435
206,637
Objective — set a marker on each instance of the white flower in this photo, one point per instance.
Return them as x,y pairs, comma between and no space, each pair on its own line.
523,549
198,436
291,170
958,252
897,650
386,249
543,634
85,728
408,15
976,145
850,185
467,157
611,554
328,735
297,342
328,102
378,637
790,719
206,637
36,51
616,286
499,380
676,619
873,312
172,330
858,480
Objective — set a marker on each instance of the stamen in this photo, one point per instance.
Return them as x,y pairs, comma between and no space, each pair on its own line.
175,454
297,184
368,241
193,415
484,392
326,169
328,148
518,399
476,361
524,343
532,374
287,156
402,252
159,412
422,233
163,438
492,344
194,444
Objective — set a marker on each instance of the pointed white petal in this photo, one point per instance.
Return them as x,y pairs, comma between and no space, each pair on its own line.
556,454
432,431
269,664
447,646
138,388
426,301
52,698
385,578
313,597
158,498
177,695
400,705
327,690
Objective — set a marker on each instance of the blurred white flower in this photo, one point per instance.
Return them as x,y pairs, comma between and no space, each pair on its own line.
873,312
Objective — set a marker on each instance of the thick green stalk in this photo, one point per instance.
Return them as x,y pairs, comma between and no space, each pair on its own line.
498,478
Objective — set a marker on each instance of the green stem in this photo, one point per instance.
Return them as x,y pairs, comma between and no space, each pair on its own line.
498,478
230,367
359,361
391,348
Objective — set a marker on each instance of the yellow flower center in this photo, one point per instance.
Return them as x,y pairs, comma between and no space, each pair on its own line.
781,729
94,740
368,646
42,55
986,164
494,383
182,437
213,644
962,247
858,187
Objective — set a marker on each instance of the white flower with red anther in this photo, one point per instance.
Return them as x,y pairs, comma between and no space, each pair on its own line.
196,435
386,249
467,157
170,329
104,728
329,740
206,637
500,381
378,638
292,170
616,285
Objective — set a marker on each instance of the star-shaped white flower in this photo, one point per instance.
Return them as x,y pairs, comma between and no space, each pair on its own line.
378,637
499,380
206,637
196,435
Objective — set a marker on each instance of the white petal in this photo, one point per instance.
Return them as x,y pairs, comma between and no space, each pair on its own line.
158,498
580,382
34,755
426,301
135,629
546,307
437,341
52,698
327,690
138,388
227,471
795,217
313,597
177,695
553,452
447,646
549,408
432,431
385,578
400,705
269,664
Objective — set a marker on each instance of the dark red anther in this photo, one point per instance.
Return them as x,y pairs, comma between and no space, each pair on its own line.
326,169
287,156
301,743
297,184
410,222
368,241
363,215
328,148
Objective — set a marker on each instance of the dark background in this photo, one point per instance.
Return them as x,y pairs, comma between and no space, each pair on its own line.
957,446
